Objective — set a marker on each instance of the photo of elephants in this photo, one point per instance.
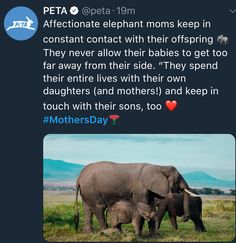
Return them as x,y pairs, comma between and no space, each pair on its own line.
139,187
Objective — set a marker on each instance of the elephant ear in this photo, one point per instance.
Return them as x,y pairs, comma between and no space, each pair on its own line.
143,210
155,180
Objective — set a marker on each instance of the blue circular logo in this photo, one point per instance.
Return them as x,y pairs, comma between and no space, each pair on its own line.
21,23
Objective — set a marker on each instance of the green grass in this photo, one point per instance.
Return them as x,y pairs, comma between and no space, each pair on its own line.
218,217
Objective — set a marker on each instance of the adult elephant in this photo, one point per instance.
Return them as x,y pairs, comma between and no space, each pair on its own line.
101,184
174,207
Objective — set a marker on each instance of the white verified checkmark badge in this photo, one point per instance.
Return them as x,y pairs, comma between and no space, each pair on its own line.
74,10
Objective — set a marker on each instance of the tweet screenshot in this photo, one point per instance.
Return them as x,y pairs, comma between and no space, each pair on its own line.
120,120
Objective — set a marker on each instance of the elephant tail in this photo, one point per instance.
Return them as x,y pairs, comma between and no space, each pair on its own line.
76,215
107,211
200,208
106,214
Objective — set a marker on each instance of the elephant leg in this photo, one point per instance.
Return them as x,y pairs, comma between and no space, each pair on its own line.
195,221
141,224
202,225
99,212
137,221
160,214
152,227
173,221
199,225
88,215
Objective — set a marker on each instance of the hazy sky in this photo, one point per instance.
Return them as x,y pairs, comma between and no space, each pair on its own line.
214,154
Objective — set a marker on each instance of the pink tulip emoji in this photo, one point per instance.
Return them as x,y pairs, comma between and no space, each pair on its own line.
114,118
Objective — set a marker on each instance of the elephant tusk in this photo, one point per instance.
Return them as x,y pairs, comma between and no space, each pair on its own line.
191,193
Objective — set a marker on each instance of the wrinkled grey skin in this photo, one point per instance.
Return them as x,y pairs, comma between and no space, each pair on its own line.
174,207
101,184
125,212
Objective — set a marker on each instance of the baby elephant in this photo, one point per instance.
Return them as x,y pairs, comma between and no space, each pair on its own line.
125,212
174,207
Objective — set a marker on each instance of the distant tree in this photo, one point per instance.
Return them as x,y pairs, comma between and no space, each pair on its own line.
211,191
217,192
232,192
197,190
207,191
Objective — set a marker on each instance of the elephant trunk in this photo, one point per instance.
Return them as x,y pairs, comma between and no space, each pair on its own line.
156,226
186,206
183,186
76,215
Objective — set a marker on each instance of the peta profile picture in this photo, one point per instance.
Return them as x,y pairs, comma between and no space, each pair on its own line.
21,23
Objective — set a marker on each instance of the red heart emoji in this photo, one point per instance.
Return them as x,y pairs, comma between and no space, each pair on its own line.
171,105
